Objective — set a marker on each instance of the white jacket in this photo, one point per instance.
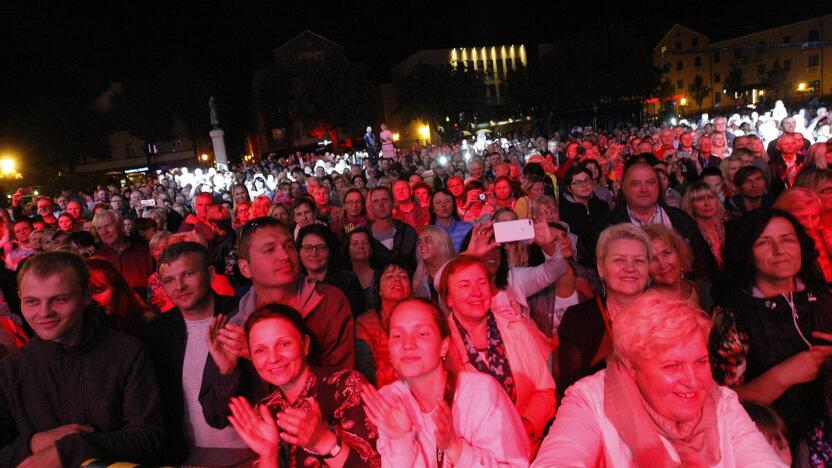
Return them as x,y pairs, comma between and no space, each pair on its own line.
582,436
492,433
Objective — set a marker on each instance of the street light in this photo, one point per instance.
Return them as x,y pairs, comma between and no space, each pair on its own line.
424,133
7,166
204,157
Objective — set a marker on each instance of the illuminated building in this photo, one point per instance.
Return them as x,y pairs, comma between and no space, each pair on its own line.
494,61
803,50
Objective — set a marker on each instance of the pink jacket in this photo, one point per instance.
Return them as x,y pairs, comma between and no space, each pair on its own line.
583,436
529,365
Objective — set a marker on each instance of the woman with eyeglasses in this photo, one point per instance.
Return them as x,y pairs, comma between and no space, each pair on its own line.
354,215
320,258
580,208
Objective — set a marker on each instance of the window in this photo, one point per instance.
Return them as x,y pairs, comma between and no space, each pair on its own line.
814,35
787,39
716,57
761,69
680,84
814,60
502,89
492,91
737,54
697,61
666,67
717,78
717,98
679,65
678,45
787,64
130,150
694,42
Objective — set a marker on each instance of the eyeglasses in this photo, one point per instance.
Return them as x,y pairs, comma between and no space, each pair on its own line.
321,248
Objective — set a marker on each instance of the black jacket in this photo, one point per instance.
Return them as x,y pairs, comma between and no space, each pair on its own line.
404,244
769,325
704,263
582,220
106,382
166,338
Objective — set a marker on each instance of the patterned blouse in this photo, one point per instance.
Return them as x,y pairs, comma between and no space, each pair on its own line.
728,349
338,392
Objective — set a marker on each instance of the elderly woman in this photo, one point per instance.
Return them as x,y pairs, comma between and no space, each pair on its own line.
624,253
773,322
656,404
314,416
499,344
671,259
434,248
434,416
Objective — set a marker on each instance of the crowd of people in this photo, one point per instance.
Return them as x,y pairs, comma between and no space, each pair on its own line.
669,304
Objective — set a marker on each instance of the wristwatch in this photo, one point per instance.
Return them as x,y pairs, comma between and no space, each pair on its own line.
334,451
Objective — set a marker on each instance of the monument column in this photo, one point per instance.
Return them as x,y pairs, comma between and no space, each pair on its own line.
217,137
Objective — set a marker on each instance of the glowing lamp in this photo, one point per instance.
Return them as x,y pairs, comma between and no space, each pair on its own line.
683,101
396,136
424,132
204,157
801,86
7,166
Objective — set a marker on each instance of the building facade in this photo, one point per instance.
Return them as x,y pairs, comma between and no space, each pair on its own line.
789,62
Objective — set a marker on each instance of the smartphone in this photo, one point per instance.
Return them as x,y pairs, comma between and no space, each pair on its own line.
148,202
511,231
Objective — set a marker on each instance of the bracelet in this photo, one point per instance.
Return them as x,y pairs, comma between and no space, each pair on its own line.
332,453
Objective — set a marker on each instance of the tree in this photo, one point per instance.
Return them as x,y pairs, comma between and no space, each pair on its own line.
335,92
432,93
776,80
699,91
735,83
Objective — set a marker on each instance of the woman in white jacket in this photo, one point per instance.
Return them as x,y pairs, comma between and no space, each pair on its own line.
656,404
433,417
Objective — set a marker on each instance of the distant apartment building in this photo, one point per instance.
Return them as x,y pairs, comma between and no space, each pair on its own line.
803,49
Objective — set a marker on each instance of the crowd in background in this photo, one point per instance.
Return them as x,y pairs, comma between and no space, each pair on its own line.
670,305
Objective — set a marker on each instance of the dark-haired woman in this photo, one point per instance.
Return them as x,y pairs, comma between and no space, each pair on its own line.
319,252
390,285
435,417
773,322
315,416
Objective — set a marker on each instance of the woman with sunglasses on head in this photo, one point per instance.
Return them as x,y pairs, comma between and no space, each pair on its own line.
433,416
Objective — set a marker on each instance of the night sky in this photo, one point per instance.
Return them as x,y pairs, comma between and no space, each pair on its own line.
58,49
